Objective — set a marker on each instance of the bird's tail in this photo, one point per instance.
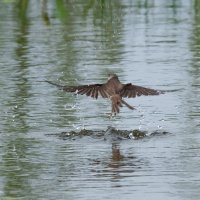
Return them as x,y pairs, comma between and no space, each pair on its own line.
126,104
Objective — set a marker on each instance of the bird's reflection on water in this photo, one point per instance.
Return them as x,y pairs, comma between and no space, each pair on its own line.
120,162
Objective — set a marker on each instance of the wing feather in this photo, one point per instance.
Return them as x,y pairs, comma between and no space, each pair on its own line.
96,94
103,92
93,90
130,90
82,91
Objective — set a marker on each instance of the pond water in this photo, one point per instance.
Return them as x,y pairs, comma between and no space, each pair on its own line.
55,145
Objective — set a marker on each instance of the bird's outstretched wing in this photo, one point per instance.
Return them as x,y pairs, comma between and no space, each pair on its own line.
132,91
93,90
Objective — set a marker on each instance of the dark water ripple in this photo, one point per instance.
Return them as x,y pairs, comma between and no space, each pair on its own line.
109,134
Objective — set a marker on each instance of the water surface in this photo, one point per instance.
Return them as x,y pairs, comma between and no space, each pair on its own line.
149,43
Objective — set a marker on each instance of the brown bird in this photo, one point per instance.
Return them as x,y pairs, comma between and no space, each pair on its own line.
113,89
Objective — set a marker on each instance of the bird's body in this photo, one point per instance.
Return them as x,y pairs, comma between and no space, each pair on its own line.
113,89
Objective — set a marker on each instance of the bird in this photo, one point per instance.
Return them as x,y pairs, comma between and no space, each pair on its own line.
112,89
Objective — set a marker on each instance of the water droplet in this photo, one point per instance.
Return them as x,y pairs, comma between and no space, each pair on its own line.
140,127
73,106
131,136
14,149
159,127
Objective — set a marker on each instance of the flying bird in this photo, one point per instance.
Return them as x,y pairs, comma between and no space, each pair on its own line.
112,89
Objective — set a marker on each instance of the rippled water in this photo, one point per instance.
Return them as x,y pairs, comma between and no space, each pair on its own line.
55,145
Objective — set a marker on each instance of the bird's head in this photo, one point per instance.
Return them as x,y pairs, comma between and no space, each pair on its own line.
110,76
